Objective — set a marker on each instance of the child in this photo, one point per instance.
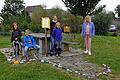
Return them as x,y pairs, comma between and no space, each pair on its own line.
29,42
57,33
16,38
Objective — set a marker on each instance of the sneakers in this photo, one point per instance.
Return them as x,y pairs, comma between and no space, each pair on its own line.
87,52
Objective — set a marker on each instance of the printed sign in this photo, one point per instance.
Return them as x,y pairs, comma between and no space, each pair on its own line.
46,22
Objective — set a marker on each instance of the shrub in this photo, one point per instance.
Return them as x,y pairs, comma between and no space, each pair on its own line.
118,27
24,25
4,33
7,27
102,22
36,28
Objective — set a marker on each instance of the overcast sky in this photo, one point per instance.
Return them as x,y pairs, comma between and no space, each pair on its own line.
111,4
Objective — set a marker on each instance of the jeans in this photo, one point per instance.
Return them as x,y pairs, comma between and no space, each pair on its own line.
16,47
58,48
58,44
27,48
52,41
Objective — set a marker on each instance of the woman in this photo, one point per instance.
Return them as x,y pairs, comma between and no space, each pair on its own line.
88,31
16,38
52,27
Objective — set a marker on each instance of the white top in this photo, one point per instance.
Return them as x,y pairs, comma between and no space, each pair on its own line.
88,29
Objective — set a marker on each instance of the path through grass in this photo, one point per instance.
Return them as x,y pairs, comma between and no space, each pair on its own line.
105,49
32,71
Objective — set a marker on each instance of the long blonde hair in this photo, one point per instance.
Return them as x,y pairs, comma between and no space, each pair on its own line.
88,17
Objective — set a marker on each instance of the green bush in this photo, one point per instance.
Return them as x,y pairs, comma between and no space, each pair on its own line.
5,33
112,34
102,22
7,28
24,25
36,28
118,27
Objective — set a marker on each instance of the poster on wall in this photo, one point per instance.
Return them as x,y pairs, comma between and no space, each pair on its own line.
46,22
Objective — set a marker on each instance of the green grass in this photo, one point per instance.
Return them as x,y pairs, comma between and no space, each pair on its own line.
105,49
32,71
4,41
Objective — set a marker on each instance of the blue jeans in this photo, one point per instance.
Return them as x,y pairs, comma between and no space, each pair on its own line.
27,48
58,44
52,41
16,47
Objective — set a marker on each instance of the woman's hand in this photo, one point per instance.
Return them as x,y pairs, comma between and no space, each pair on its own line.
16,38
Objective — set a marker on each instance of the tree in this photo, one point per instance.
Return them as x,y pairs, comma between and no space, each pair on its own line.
37,14
117,10
12,8
98,9
56,11
81,7
102,22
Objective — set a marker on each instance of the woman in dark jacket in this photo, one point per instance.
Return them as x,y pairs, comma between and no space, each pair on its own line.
16,38
52,39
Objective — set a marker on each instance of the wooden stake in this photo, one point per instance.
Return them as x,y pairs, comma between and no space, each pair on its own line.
46,47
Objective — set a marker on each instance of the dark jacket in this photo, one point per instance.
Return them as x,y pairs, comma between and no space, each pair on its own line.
57,34
52,26
16,34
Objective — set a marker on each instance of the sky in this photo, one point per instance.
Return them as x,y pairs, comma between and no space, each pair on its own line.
110,4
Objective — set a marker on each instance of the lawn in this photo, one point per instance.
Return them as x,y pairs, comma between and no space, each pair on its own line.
32,71
105,49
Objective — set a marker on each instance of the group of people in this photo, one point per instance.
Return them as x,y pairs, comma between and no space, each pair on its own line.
88,31
27,42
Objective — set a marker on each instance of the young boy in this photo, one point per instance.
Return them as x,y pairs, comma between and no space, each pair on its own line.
29,42
57,34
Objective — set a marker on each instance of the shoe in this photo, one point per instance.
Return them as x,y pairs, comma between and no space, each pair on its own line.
14,56
59,55
51,54
89,53
86,51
